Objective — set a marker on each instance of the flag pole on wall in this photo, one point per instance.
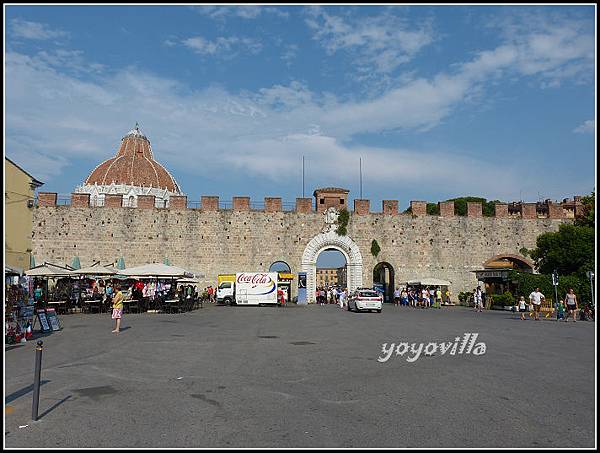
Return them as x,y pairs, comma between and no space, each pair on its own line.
360,172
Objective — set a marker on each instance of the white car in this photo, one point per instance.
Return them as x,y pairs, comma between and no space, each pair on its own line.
364,299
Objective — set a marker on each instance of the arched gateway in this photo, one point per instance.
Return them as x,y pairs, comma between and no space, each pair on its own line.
331,240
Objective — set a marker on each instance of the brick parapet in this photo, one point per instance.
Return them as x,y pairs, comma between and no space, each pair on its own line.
501,210
47,198
555,211
146,201
273,204
178,202
362,207
418,208
80,200
446,208
241,203
304,205
474,209
528,211
209,202
114,201
389,207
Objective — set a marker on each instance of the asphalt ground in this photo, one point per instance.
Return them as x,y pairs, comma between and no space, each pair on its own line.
304,377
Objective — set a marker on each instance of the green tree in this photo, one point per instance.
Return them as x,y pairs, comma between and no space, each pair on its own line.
588,219
570,250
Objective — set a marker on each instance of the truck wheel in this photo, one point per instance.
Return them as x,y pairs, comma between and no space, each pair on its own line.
227,301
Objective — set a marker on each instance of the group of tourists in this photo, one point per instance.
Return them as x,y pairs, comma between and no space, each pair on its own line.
565,308
332,295
421,297
209,294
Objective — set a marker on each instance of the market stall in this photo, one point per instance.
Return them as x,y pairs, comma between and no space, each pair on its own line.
61,295
432,282
155,285
94,280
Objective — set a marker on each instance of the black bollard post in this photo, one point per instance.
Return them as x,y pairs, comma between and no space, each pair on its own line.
36,381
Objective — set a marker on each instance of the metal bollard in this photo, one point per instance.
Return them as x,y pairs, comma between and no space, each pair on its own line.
36,380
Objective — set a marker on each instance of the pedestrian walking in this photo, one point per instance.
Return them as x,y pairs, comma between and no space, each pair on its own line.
478,297
438,298
536,298
522,307
571,303
117,312
397,297
560,311
404,298
425,298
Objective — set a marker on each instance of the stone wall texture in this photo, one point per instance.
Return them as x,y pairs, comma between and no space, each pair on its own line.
213,241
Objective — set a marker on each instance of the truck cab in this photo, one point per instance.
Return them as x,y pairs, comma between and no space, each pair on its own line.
226,289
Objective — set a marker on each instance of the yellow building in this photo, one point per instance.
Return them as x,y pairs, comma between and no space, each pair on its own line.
331,276
19,194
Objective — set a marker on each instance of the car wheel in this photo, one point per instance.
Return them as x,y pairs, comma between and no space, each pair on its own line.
378,311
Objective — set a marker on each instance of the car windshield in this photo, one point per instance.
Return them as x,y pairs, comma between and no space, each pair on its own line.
367,294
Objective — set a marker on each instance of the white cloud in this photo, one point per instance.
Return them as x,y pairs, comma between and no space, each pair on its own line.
588,127
260,134
378,43
242,11
553,47
34,30
223,47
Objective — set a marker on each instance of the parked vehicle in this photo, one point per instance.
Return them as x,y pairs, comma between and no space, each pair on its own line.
364,299
247,288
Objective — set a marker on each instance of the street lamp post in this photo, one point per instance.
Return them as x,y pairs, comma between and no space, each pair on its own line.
590,275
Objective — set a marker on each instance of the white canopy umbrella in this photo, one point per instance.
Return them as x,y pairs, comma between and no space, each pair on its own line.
50,270
155,270
187,280
95,270
8,270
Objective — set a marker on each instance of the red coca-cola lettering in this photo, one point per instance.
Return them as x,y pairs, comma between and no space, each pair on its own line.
255,279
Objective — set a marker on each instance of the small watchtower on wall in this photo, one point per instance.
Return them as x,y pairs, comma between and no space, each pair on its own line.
328,197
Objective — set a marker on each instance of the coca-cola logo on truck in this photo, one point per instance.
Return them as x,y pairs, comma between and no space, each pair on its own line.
255,279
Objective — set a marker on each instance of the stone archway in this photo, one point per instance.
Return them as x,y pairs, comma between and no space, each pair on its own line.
331,240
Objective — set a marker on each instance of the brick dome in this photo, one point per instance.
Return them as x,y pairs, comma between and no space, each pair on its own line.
133,165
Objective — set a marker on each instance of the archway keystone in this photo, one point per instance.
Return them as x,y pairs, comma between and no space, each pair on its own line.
331,240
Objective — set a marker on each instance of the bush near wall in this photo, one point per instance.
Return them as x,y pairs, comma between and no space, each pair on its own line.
463,297
503,300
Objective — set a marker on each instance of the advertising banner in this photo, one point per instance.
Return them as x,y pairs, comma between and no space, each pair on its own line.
302,288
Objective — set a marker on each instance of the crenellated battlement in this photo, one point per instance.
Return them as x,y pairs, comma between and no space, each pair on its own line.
548,209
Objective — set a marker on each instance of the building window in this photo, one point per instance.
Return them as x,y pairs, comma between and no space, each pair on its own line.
322,201
341,201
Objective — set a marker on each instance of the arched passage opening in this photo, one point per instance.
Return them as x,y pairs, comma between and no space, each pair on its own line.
328,241
280,266
284,282
383,280
331,270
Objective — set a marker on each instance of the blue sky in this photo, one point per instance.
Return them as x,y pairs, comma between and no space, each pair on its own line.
439,102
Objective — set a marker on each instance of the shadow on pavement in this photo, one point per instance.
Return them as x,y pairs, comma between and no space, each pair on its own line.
23,391
55,406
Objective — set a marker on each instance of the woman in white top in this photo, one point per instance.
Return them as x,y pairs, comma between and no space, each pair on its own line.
571,304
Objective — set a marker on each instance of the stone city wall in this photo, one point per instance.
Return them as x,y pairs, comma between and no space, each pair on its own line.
211,241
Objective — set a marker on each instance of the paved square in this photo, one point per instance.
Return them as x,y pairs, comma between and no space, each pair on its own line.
303,377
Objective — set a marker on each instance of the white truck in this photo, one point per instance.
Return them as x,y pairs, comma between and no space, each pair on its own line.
248,288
